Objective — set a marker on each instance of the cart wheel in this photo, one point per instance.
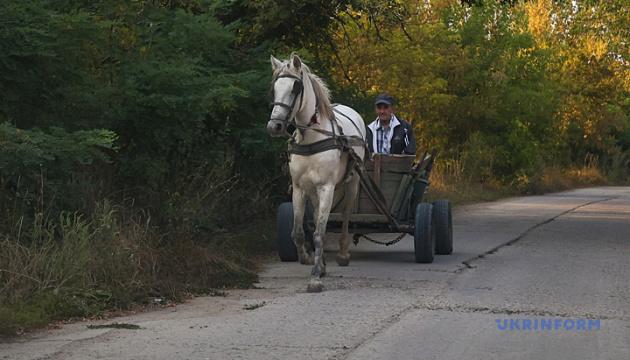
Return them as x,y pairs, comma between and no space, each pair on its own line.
443,223
286,247
424,235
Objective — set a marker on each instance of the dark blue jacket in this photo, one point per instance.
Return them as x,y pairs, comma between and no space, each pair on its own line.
403,140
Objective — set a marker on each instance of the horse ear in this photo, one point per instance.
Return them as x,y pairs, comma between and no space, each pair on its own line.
297,62
275,63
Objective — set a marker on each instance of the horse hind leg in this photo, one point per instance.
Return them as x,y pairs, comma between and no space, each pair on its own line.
351,190
325,194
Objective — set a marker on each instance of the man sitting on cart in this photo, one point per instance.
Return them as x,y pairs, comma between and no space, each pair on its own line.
389,134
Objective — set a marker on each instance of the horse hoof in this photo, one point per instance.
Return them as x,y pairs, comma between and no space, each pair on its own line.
343,260
315,286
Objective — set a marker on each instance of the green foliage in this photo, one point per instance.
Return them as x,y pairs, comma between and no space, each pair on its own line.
56,151
169,82
40,170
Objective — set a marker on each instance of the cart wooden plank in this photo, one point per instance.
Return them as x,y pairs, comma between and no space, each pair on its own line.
388,172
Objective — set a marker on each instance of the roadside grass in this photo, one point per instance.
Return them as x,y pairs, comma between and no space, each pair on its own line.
77,267
465,193
451,180
38,311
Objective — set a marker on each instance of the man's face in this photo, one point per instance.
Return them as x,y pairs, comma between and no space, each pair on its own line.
384,112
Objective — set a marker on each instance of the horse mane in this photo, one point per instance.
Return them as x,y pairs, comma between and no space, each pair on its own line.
322,93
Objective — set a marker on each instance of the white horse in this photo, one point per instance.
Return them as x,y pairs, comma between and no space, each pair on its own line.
302,100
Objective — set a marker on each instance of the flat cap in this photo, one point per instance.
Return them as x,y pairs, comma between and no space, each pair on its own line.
384,99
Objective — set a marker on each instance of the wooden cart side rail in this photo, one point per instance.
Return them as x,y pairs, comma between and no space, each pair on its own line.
371,189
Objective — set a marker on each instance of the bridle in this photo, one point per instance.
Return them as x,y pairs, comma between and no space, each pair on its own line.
298,90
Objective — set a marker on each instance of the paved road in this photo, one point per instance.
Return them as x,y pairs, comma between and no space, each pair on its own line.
556,260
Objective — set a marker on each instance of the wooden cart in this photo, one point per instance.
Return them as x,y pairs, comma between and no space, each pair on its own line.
390,200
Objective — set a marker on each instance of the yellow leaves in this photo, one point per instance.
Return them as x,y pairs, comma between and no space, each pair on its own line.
624,76
539,14
595,47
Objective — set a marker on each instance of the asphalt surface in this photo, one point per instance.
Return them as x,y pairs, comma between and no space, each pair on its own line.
559,261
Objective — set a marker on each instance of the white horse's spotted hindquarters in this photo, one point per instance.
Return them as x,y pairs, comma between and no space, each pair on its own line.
315,176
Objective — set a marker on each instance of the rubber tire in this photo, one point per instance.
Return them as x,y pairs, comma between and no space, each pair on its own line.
424,234
286,246
443,223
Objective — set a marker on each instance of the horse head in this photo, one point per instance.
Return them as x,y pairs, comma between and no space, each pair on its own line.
288,94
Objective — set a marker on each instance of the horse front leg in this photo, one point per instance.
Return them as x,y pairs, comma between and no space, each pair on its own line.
325,195
351,190
299,206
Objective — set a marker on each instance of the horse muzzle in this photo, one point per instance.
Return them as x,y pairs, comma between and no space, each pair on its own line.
276,128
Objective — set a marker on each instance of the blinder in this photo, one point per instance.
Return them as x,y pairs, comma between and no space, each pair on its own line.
298,87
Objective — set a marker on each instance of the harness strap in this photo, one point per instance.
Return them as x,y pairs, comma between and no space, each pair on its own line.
340,142
314,148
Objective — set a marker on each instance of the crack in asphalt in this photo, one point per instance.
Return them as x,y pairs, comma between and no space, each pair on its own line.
467,263
391,321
